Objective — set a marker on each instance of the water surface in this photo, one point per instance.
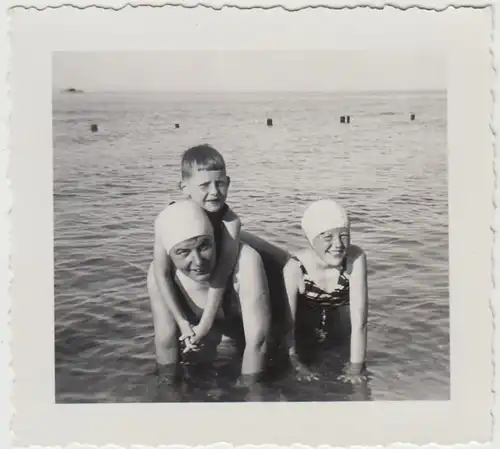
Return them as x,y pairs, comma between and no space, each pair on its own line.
390,172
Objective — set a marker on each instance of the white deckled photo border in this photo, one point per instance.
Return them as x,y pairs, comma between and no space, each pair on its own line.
287,5
38,421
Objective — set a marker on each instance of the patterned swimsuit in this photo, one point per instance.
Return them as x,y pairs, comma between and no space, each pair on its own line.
316,299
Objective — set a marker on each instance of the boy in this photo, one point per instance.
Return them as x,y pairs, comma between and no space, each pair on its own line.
204,181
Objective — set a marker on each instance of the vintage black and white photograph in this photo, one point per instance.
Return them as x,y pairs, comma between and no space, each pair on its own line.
238,223
227,234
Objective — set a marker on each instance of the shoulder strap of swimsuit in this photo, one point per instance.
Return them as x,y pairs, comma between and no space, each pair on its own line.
302,267
343,267
224,209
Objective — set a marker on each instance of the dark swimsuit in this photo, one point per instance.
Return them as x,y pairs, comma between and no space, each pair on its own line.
314,299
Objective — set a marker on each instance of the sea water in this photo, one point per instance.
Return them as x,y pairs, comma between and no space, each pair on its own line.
389,171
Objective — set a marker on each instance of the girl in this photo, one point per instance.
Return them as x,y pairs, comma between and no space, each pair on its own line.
325,281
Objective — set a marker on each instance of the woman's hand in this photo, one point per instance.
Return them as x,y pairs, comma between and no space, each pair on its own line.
302,372
252,387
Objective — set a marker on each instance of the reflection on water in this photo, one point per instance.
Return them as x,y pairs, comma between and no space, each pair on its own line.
388,171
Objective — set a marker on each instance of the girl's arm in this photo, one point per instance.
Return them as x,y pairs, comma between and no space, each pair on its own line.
359,312
225,265
163,271
294,284
291,274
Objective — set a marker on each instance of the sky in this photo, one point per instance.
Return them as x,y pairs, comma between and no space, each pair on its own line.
417,69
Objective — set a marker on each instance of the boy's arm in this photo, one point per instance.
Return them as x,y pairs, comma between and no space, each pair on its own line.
225,266
163,271
229,251
359,312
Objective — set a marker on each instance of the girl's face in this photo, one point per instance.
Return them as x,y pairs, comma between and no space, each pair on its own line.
331,246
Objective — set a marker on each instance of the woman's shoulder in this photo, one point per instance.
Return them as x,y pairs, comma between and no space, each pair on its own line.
230,220
249,262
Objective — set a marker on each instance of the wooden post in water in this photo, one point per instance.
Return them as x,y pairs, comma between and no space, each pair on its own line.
94,128
342,119
177,126
348,119
269,122
412,117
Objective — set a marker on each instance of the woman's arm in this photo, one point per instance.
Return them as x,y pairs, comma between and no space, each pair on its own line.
255,311
225,266
358,311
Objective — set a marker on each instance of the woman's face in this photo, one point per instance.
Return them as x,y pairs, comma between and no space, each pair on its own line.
195,257
331,245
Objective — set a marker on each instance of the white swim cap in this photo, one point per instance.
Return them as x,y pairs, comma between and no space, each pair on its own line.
183,220
323,215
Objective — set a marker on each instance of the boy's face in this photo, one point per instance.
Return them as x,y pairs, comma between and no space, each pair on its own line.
208,188
195,257
331,246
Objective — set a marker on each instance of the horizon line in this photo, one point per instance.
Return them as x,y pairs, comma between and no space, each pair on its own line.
215,91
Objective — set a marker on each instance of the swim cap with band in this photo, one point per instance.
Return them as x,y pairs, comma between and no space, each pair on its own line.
181,221
323,215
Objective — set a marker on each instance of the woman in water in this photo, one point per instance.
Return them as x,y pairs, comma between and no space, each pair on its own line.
326,285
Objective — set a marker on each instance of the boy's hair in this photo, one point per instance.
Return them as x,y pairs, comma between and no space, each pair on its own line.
201,157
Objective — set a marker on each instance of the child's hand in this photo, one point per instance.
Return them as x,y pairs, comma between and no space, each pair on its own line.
190,345
187,335
353,378
200,331
353,373
186,330
302,372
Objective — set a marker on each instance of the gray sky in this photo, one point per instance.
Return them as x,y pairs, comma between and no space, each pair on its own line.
251,70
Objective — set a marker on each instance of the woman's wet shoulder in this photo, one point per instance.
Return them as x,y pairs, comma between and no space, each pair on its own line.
248,253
